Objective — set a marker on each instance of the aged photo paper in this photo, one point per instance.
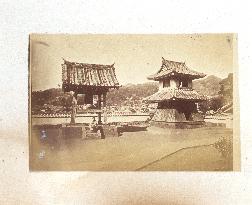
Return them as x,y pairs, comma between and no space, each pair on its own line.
133,102
125,102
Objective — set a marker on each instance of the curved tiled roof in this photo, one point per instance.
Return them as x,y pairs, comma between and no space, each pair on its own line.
175,93
84,74
169,68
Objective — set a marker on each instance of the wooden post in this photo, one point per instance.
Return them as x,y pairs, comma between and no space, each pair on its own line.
75,95
99,118
105,107
99,107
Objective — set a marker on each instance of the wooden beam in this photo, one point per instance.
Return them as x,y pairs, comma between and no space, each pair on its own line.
83,89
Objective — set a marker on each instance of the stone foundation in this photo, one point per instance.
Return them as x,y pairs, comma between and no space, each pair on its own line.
171,118
168,115
197,117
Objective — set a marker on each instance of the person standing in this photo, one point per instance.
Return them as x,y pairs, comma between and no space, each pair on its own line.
74,107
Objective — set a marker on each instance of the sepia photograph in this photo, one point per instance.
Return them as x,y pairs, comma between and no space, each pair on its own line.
125,102
133,102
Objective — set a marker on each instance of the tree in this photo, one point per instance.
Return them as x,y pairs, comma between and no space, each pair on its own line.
226,90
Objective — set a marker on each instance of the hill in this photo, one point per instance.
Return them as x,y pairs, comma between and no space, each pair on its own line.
51,99
130,94
208,86
226,89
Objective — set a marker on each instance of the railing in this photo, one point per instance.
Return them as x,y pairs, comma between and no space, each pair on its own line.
89,111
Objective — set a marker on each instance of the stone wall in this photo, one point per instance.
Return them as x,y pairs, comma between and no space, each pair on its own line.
197,117
168,115
173,115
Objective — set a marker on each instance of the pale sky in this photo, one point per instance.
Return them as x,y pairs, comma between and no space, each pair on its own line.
135,56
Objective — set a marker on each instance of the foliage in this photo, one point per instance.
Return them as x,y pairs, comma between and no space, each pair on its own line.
223,95
207,86
213,103
225,147
226,89
52,100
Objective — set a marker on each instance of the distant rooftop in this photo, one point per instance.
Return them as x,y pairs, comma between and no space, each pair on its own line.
169,68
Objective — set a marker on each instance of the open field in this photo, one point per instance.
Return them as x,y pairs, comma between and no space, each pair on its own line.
134,151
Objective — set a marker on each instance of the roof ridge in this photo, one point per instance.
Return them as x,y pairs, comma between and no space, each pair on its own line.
170,67
94,64
173,61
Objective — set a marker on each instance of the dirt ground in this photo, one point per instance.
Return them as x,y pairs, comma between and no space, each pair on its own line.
156,149
205,158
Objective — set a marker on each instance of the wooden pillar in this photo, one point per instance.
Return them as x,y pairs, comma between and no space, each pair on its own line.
99,107
105,107
75,95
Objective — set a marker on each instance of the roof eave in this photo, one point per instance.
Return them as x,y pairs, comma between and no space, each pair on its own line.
169,75
151,77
